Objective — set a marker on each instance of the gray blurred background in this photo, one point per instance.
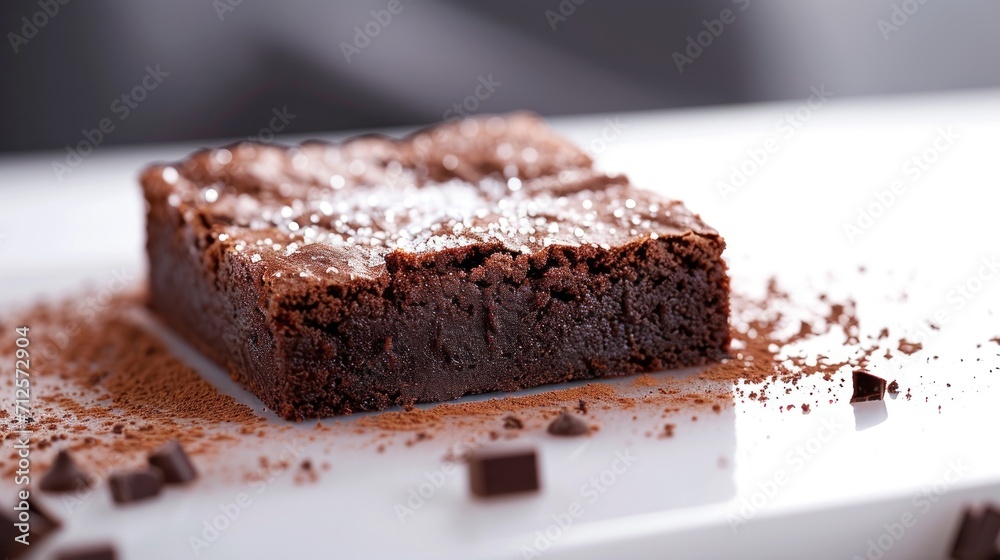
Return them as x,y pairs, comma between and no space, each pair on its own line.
233,68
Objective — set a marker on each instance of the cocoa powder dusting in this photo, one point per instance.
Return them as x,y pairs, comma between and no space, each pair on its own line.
110,391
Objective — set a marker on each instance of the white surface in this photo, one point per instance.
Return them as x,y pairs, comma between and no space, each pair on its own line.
675,501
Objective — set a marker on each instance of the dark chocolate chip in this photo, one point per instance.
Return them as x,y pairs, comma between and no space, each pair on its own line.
94,552
977,535
136,485
568,425
40,521
501,473
867,387
174,463
64,475
513,423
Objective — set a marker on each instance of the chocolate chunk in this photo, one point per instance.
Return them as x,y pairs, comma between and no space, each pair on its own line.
40,521
977,535
64,475
174,463
568,425
501,473
513,423
136,485
94,552
867,387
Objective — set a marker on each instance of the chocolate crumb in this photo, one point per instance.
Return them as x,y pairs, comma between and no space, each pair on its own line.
117,428
42,525
867,387
805,408
495,473
582,406
173,463
568,425
977,535
893,387
513,423
64,475
135,486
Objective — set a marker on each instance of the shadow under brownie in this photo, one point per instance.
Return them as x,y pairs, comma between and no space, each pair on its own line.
481,255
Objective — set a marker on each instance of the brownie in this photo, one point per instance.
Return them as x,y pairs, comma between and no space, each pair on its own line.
486,254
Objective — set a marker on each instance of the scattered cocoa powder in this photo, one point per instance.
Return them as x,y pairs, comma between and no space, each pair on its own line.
95,369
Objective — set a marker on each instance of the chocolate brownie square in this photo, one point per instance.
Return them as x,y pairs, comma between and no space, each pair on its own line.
479,255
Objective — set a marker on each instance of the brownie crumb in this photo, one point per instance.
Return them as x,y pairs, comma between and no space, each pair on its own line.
118,428
668,431
582,406
568,425
806,409
893,387
513,423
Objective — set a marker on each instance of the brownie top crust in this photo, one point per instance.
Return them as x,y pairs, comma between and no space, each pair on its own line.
354,209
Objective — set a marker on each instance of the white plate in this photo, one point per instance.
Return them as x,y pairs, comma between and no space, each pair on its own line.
845,496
